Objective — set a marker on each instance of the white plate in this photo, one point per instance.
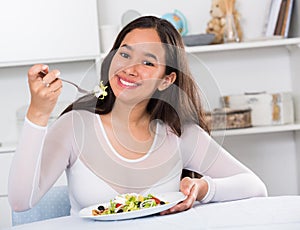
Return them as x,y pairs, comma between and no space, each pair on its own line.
172,198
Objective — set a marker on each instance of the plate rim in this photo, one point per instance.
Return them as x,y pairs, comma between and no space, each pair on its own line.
134,214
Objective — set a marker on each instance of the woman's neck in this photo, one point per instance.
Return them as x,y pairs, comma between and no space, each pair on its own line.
128,130
132,115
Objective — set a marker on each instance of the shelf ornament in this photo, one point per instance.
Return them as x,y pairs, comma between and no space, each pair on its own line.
178,20
224,22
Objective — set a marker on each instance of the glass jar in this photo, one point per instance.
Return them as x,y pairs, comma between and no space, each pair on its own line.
230,32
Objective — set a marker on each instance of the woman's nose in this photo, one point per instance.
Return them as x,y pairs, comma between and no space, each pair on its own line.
131,70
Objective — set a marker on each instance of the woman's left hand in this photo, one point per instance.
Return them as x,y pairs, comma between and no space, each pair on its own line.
194,189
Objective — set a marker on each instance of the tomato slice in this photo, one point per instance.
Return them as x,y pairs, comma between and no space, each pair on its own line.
118,205
157,201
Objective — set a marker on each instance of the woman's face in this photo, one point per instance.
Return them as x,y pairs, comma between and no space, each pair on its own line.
138,67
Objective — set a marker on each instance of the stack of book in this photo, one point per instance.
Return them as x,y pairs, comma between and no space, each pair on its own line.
279,18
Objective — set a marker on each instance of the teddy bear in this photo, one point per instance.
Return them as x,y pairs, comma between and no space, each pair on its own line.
217,23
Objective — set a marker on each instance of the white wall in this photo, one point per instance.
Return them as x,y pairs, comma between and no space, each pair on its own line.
36,30
196,12
271,156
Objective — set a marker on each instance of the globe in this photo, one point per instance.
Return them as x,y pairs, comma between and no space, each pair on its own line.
178,20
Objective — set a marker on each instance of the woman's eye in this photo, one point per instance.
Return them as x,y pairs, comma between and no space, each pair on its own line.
148,63
124,55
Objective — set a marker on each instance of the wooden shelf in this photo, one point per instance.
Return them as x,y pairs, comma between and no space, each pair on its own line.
257,130
245,45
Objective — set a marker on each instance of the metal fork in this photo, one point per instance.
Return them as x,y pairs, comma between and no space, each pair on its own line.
79,89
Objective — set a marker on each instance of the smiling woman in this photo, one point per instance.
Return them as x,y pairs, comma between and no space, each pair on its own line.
137,139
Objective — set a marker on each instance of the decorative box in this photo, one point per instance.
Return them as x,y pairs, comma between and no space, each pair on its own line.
226,118
266,109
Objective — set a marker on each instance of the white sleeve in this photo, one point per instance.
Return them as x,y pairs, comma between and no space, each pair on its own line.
228,179
41,157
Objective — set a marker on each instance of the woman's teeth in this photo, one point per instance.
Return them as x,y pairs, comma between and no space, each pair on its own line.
131,84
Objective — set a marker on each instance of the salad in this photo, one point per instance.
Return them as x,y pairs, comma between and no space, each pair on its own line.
128,202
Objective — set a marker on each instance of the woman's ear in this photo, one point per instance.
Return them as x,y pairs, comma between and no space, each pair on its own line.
167,81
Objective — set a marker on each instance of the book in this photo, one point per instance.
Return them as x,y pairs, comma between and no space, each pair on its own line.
287,19
281,18
273,17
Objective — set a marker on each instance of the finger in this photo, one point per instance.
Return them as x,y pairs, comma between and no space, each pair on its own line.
184,205
50,78
54,94
33,72
55,85
188,202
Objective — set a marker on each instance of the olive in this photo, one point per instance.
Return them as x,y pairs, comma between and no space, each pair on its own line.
101,208
162,202
120,210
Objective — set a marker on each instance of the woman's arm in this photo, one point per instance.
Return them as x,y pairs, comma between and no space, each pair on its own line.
227,178
36,164
224,177
41,157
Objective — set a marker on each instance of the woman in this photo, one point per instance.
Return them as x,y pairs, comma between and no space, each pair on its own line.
139,138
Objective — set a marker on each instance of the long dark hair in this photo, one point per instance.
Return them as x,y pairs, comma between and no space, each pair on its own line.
178,104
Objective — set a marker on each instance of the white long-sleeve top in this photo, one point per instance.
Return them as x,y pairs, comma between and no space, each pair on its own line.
77,143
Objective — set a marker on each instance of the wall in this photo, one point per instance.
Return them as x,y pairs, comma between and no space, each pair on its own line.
35,30
196,12
272,156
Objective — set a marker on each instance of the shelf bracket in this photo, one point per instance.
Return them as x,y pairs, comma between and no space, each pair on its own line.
291,48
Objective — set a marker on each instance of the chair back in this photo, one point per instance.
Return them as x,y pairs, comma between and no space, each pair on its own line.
55,203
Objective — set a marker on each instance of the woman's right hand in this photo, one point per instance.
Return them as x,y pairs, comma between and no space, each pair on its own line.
44,90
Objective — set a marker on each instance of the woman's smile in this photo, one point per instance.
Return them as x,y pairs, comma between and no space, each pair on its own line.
126,83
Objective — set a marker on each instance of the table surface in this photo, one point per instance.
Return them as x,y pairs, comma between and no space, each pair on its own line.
282,212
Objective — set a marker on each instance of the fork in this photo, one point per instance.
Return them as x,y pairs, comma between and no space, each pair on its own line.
79,89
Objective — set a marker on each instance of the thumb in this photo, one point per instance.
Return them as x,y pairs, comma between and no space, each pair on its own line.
186,185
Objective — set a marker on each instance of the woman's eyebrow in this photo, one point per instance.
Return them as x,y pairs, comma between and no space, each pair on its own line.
151,56
147,54
127,46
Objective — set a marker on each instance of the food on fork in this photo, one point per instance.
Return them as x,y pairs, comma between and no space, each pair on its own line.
100,91
128,202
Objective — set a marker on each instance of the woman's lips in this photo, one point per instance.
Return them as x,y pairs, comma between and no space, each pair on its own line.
127,84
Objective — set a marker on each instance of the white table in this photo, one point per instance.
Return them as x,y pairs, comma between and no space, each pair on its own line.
256,213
